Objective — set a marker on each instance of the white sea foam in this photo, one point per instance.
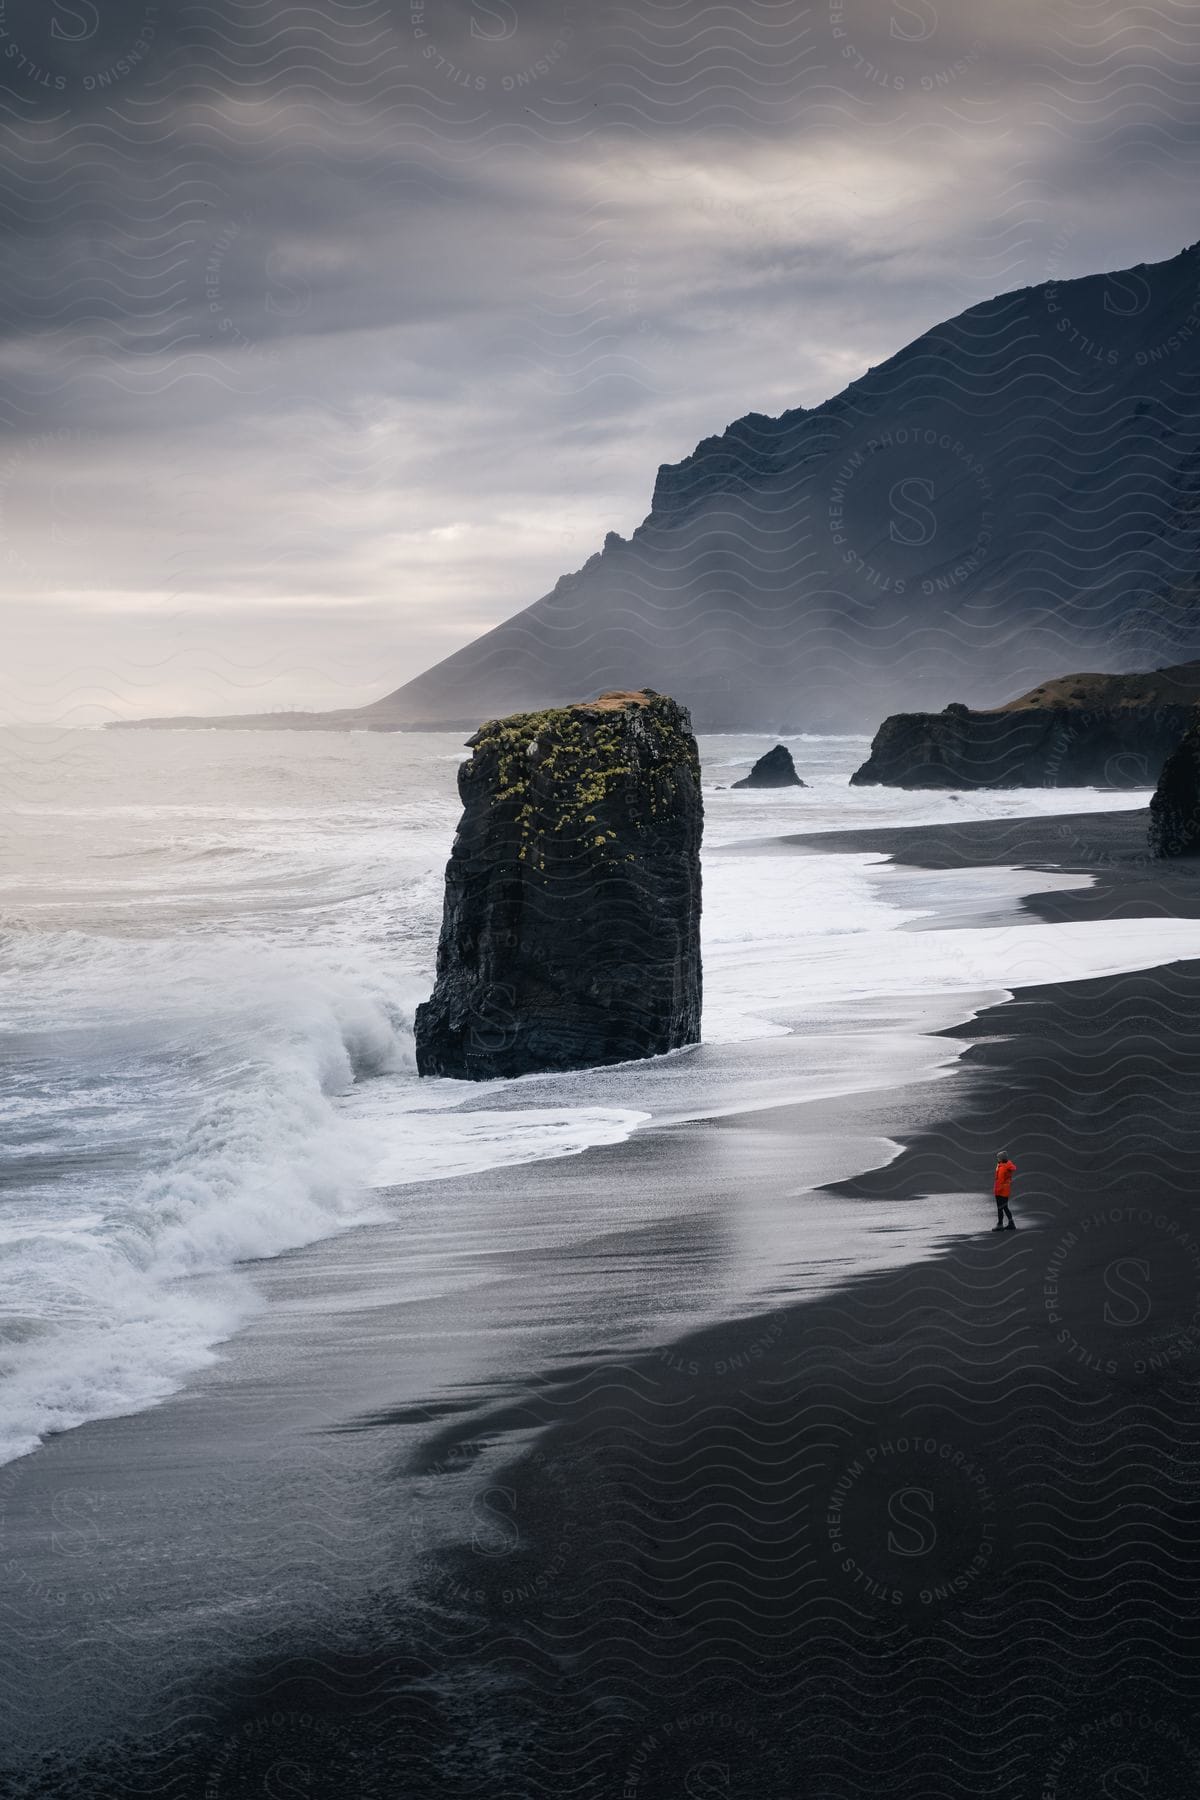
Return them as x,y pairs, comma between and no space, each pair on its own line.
262,1135
424,1146
786,934
205,1079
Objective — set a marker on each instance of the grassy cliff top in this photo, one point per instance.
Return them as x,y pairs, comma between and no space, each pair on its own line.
1177,686
617,700
594,720
613,700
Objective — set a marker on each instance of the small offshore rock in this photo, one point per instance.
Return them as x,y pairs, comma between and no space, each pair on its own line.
774,770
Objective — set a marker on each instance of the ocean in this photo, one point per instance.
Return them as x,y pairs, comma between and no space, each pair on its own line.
212,946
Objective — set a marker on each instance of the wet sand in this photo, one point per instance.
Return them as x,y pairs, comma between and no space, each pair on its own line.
1110,847
929,1533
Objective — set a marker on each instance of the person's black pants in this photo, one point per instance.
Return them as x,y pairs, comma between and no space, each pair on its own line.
1002,1210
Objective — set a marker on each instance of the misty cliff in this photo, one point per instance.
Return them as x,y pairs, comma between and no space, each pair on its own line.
1017,491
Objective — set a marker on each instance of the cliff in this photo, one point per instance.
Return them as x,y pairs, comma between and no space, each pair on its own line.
571,927
1077,731
1018,489
1175,806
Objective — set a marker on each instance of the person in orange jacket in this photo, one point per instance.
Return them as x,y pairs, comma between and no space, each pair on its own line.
1002,1189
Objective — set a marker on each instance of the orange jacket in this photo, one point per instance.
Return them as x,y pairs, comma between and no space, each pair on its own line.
1004,1174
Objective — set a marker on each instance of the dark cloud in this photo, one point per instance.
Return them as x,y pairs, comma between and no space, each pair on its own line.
344,330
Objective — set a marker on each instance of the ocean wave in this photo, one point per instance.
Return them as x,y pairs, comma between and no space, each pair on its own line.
282,1099
246,1050
176,853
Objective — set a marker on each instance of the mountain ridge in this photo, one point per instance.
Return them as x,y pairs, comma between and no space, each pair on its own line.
1014,491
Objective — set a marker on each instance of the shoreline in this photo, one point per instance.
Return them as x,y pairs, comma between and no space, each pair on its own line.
1110,847
654,1579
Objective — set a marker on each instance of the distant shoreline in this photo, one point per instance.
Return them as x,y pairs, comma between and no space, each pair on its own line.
334,722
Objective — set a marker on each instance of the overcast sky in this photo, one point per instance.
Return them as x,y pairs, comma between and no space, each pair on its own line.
331,335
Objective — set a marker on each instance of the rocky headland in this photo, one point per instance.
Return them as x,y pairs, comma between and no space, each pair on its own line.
571,927
1113,731
774,770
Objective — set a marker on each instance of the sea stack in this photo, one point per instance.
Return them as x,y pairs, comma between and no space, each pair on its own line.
571,927
1175,806
774,770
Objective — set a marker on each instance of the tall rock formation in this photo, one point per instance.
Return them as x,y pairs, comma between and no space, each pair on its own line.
1016,491
1175,807
571,929
1078,731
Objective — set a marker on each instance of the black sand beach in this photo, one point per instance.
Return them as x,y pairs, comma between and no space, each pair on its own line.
1127,883
929,1534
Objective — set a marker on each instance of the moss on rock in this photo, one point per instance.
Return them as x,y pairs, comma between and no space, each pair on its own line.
556,767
